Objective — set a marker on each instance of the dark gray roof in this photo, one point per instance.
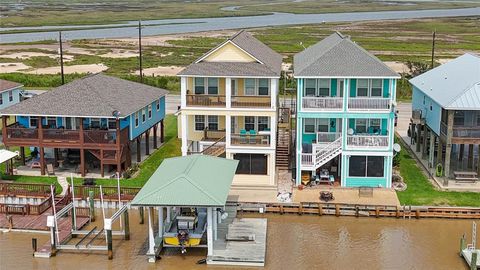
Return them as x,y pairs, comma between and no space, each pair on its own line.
338,56
270,62
8,85
92,96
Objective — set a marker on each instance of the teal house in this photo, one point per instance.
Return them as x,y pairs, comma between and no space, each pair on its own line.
345,119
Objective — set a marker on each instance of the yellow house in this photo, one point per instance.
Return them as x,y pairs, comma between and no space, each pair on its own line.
229,107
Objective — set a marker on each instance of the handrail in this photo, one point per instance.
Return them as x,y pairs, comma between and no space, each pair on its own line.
210,149
327,136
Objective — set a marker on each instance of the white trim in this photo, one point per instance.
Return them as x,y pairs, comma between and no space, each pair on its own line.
77,116
11,89
228,110
366,168
347,77
385,153
221,46
230,76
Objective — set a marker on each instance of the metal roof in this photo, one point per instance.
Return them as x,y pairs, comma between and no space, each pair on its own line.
6,155
8,85
96,95
338,56
269,62
453,85
196,180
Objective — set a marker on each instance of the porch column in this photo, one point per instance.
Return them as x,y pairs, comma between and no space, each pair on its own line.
82,162
478,165
4,127
102,171
228,92
118,153
151,237
128,155
162,131
42,161
139,149
155,146
214,224
183,92
184,133
273,131
470,156
461,152
22,154
147,142
228,130
169,214
209,232
160,222
431,153
273,92
419,136
440,151
448,149
424,145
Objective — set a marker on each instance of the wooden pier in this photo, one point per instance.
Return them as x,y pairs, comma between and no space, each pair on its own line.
357,210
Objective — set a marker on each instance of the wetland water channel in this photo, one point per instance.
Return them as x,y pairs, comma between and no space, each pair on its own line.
178,26
293,242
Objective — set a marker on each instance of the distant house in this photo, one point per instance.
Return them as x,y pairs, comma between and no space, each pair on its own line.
10,93
94,119
345,115
446,100
229,107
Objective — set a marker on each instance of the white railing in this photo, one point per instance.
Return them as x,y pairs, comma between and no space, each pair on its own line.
327,137
367,141
307,159
322,103
368,103
328,150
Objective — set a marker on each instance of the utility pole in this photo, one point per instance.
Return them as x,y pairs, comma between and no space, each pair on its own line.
433,49
61,57
140,49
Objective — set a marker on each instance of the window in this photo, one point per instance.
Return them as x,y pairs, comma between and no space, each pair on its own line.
361,125
362,88
309,88
366,166
199,122
358,166
112,124
1,98
376,88
249,123
136,119
158,105
249,87
375,166
149,111
52,122
212,86
95,122
68,123
323,87
251,164
459,118
199,86
262,123
212,122
309,125
33,122
263,87
322,124
144,116
10,96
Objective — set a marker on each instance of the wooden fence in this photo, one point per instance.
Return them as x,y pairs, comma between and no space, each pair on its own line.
109,193
25,190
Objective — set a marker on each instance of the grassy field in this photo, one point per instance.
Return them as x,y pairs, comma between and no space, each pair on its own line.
81,12
421,192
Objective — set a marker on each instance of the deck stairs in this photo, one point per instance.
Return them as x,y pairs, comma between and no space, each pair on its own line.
108,156
216,149
325,153
282,155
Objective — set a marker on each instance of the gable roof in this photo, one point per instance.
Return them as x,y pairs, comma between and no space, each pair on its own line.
338,56
453,85
8,85
268,62
196,180
96,95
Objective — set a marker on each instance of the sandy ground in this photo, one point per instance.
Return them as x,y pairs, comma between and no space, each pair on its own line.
12,67
381,196
161,71
92,68
163,39
116,53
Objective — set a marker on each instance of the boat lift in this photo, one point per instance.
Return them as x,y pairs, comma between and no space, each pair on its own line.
469,251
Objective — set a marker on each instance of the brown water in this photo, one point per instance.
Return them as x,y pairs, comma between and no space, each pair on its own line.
294,242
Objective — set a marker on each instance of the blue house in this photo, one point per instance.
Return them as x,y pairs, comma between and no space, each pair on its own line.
10,93
345,119
91,122
446,116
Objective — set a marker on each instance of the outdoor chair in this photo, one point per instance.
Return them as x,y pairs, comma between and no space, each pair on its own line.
50,170
243,136
253,136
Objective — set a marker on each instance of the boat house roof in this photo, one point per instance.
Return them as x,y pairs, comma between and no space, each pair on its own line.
196,180
454,85
337,56
96,95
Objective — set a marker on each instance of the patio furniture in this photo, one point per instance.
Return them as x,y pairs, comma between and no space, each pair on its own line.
50,170
326,196
265,136
35,164
253,136
463,176
243,136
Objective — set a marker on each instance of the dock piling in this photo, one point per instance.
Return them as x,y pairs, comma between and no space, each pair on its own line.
473,262
34,245
126,226
142,216
91,204
109,244
462,244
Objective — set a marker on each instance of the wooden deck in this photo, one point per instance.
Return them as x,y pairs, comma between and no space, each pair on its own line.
39,222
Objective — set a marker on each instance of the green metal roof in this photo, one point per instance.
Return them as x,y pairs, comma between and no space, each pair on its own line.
196,180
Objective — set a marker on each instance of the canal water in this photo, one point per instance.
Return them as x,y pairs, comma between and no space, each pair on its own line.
294,242
176,26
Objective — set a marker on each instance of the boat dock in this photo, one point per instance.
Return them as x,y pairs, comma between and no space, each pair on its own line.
468,254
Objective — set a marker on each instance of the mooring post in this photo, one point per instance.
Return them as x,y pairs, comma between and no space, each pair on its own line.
10,222
109,244
91,204
462,244
140,210
473,262
73,223
126,225
53,242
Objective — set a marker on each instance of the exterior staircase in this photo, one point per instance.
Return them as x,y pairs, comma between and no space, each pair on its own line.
216,149
108,156
282,155
323,154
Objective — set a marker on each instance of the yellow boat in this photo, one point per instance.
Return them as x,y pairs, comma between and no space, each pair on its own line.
187,228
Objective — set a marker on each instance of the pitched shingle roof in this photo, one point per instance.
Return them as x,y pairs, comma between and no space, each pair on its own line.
195,180
453,85
96,95
269,62
8,85
338,56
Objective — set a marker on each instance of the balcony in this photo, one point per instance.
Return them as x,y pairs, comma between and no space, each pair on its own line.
213,135
327,137
380,104
206,100
367,141
261,140
322,103
251,102
461,132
